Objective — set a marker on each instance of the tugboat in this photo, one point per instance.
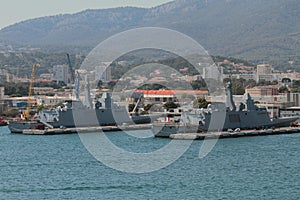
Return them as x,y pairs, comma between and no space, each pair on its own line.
224,117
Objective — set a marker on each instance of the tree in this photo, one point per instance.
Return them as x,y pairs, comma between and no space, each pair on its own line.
200,103
250,83
295,90
283,89
237,88
39,108
148,107
131,107
12,113
170,105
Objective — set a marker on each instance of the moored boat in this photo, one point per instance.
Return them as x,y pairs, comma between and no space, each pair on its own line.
75,114
224,117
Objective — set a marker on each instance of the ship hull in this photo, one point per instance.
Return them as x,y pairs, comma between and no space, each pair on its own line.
18,127
252,121
83,118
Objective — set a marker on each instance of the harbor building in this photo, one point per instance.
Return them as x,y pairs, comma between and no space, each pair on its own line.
51,101
163,96
249,76
290,112
43,90
60,73
294,98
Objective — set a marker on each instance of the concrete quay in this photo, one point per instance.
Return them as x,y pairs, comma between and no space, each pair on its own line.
224,135
60,131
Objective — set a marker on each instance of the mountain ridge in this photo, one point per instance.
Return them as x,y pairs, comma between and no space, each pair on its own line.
257,30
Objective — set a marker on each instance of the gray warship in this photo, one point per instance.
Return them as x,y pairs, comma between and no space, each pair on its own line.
75,114
223,117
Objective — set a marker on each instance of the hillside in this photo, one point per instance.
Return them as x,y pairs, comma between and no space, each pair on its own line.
257,30
83,29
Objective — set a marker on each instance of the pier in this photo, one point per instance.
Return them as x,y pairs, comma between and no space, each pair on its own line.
177,136
60,131
224,135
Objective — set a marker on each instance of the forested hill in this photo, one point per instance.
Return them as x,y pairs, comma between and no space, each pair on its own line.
258,30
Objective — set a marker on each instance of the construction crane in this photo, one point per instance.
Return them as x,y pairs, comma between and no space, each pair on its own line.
29,101
71,73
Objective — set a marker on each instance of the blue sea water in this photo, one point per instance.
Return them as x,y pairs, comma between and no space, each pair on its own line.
59,167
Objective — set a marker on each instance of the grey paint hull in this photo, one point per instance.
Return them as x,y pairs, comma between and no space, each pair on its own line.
85,118
233,120
18,127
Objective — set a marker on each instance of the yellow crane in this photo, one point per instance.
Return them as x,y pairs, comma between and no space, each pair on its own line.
29,101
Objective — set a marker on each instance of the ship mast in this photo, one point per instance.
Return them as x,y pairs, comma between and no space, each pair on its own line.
229,98
87,99
77,83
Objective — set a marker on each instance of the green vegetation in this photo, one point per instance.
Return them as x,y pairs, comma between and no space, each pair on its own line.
239,85
12,113
200,103
171,105
199,85
269,36
283,89
20,64
154,86
131,107
21,89
295,86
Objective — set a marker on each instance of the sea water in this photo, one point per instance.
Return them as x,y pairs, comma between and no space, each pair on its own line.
60,167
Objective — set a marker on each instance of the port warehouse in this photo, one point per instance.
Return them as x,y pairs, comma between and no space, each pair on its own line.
284,105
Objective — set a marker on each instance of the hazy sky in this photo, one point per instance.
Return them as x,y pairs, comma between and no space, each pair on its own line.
12,11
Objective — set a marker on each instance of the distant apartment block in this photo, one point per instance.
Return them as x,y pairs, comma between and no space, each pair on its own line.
243,76
5,76
264,69
103,72
267,77
60,73
1,93
264,72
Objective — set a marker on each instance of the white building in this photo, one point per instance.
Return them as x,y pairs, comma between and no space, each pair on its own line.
43,90
51,101
1,93
103,72
265,72
243,76
264,69
60,73
213,72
